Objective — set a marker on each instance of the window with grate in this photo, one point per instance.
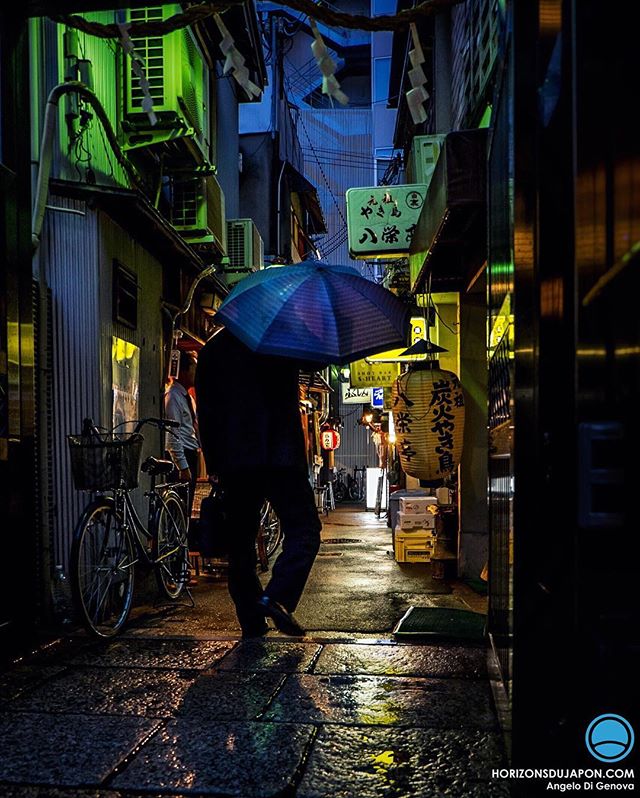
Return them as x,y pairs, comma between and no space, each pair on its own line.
186,201
125,296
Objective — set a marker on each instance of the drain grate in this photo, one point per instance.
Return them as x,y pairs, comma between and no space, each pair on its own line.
342,540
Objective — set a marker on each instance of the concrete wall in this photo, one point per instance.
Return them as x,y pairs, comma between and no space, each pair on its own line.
255,185
227,147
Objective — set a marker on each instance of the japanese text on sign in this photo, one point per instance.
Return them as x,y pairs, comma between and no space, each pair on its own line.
381,220
356,396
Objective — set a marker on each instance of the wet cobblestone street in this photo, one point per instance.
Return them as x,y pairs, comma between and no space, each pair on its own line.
179,705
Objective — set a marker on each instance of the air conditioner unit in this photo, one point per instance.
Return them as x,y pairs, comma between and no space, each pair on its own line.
425,151
244,248
198,211
178,85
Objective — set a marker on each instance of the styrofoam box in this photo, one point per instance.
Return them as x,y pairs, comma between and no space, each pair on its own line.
409,547
407,521
416,504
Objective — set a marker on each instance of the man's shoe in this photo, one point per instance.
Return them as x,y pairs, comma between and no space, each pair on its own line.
257,629
283,619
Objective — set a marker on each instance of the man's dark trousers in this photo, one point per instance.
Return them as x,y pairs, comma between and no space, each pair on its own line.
292,498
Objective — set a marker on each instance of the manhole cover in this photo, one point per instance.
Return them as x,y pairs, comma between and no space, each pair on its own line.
342,540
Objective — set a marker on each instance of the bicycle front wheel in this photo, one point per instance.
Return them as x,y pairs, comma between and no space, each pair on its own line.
102,569
171,549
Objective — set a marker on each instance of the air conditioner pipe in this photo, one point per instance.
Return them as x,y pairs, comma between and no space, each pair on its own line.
279,207
46,149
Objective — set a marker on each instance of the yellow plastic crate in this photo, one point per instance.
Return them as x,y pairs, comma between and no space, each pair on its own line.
415,546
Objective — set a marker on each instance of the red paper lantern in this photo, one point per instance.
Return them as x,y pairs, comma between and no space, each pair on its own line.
329,439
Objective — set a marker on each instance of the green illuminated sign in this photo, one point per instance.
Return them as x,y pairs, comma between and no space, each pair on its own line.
381,220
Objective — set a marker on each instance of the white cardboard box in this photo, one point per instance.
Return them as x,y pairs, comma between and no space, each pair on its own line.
409,521
416,505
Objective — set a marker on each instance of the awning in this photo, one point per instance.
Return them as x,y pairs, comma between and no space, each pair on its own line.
315,382
308,194
450,239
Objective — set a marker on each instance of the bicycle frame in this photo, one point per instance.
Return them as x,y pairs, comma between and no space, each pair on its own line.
140,534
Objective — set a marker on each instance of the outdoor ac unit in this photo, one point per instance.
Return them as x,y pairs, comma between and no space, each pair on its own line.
423,157
178,84
198,211
244,248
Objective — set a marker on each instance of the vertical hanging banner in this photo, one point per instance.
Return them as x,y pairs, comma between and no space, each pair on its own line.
381,220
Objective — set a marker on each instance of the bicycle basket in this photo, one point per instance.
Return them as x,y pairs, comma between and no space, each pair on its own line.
106,464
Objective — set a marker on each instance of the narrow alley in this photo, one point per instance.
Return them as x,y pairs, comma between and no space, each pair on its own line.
180,705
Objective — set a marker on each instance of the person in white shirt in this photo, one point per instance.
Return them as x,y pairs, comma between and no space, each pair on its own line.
182,442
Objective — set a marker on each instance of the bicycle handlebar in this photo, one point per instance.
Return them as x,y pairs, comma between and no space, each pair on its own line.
89,429
161,423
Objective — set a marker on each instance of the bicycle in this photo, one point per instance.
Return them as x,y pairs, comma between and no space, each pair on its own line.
357,484
340,487
269,535
110,538
352,487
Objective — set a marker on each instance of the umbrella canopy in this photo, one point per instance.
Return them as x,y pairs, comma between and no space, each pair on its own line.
314,311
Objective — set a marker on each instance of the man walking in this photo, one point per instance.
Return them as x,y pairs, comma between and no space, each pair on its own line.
252,439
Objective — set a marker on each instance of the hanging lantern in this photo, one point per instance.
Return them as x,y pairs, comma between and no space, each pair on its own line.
329,439
428,417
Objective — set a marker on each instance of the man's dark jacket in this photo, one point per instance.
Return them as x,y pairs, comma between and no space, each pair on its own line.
248,410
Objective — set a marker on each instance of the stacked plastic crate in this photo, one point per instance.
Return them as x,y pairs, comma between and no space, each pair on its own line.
414,535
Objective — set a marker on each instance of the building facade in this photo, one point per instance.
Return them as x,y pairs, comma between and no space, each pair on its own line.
537,237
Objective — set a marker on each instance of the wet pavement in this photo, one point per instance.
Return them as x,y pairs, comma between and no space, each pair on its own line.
179,705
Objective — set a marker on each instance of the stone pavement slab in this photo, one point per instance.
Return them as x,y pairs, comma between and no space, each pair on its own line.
22,678
380,700
249,760
45,749
271,655
396,763
229,695
109,691
403,660
152,653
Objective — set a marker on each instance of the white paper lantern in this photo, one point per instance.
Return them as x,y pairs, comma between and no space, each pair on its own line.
428,417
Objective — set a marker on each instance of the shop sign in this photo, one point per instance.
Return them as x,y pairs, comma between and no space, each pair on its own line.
377,397
381,220
373,375
355,396
329,439
418,332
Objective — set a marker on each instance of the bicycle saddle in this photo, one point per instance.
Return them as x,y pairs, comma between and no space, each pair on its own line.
153,466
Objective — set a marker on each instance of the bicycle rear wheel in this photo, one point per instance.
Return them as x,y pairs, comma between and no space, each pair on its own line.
170,546
270,528
102,569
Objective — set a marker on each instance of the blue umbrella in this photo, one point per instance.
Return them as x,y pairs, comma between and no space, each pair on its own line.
314,311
